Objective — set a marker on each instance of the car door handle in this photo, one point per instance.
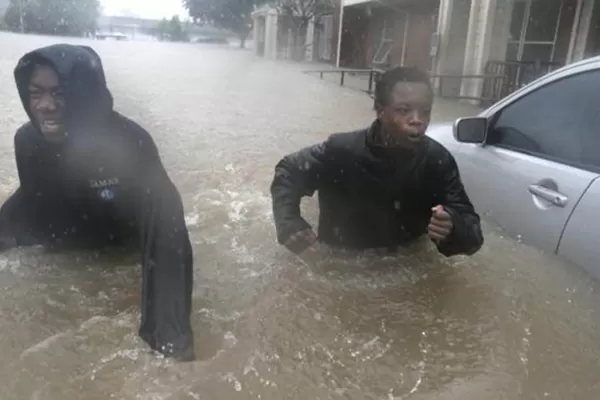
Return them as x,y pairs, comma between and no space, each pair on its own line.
554,197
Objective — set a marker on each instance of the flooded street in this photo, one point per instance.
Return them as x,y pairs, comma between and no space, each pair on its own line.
508,323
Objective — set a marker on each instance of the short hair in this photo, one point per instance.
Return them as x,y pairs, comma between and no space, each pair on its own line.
386,82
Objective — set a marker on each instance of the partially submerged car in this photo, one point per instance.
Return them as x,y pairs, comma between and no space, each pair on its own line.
531,162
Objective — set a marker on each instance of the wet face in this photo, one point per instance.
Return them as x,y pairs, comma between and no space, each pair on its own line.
47,103
406,115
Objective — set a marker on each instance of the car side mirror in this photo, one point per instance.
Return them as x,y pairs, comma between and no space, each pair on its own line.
471,130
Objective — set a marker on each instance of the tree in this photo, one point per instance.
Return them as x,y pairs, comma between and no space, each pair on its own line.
301,13
176,30
53,17
306,10
173,30
233,15
159,30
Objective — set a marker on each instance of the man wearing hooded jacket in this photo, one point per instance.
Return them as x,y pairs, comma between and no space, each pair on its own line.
380,187
91,178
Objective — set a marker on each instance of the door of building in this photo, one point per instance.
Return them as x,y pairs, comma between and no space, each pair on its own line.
384,41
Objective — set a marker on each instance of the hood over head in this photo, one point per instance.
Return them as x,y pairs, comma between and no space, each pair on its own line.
79,68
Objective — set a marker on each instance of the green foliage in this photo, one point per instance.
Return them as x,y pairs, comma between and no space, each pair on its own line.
53,17
176,30
171,30
232,15
306,9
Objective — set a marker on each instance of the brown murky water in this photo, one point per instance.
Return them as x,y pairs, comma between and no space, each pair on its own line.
509,323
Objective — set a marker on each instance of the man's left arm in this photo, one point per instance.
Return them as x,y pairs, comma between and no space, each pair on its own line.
167,260
464,236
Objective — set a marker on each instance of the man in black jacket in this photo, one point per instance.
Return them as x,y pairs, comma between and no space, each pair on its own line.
91,178
379,187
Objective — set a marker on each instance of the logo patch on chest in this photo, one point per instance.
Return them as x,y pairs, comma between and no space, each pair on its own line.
105,187
107,194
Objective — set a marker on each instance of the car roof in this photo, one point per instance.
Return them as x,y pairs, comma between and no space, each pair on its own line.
591,63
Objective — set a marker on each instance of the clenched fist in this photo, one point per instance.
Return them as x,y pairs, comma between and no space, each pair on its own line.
440,224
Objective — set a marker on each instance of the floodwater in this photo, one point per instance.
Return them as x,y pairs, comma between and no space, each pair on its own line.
508,323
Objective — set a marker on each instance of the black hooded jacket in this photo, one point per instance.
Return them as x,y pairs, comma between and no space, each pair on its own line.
371,196
105,184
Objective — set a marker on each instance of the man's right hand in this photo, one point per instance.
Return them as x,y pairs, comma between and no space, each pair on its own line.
300,241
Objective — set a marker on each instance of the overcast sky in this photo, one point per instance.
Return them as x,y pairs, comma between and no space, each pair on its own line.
144,8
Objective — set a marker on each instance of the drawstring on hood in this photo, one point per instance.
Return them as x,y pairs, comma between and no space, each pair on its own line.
79,68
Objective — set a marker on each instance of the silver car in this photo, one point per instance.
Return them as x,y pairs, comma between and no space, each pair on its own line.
531,162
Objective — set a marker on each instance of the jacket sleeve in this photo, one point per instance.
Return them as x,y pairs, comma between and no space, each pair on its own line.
167,261
297,175
466,237
22,209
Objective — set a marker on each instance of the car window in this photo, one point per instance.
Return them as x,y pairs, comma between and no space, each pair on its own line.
559,121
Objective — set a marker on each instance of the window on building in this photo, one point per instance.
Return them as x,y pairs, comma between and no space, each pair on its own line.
512,52
593,39
533,29
383,52
543,20
325,38
517,19
570,136
536,52
384,38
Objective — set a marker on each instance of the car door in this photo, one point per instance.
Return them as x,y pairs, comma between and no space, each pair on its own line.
537,161
580,243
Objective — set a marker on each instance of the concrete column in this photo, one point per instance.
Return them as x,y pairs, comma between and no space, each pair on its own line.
501,29
309,44
255,32
443,29
479,42
453,23
289,50
487,38
582,29
271,35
